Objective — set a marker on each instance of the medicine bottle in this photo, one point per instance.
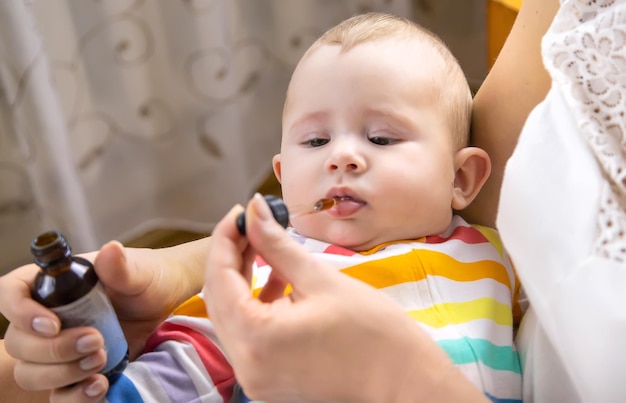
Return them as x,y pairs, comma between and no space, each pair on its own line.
69,286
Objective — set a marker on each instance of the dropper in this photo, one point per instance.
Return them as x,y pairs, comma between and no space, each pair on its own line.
320,205
282,214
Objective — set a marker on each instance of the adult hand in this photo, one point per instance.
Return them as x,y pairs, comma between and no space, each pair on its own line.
332,339
144,286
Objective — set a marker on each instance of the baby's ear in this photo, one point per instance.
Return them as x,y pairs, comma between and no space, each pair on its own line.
276,166
473,167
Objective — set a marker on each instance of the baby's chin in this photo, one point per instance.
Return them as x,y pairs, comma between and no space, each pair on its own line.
345,237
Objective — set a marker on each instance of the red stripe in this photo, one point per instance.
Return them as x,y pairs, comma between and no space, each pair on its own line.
260,262
214,361
338,250
467,235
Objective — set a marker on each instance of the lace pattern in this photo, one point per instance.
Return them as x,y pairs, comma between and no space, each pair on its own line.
585,52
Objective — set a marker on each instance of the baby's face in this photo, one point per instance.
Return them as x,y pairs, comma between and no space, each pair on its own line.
365,126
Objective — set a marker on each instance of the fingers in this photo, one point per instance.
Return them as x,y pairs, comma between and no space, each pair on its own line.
273,289
70,345
46,357
20,309
34,376
46,363
288,258
92,389
225,285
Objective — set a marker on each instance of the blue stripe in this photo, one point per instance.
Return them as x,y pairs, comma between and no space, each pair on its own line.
123,390
242,398
467,351
496,400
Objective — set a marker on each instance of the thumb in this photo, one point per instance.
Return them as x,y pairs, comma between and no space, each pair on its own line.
115,272
292,262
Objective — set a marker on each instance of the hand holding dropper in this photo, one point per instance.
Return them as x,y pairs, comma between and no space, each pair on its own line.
282,214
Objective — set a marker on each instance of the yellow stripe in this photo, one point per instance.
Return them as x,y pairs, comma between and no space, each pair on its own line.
441,315
257,291
385,244
194,306
418,264
492,236
437,316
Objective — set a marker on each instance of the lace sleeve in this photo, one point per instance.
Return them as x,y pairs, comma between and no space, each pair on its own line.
585,53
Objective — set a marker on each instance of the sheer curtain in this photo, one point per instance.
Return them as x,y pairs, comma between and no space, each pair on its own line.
120,116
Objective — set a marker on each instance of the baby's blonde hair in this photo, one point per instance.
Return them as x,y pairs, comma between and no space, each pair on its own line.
454,94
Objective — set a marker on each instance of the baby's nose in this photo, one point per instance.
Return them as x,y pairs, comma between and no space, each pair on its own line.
346,160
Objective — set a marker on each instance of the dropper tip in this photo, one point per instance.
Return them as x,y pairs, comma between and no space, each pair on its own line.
324,204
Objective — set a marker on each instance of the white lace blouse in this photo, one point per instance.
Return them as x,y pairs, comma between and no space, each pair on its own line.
563,211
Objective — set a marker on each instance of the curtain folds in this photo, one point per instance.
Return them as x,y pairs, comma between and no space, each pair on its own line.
120,116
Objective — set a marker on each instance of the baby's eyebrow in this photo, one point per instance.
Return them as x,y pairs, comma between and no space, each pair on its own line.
309,118
390,115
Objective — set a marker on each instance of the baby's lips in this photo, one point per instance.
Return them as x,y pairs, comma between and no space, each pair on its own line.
346,208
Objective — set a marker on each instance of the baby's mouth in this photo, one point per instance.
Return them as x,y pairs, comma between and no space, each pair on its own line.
345,206
340,199
329,202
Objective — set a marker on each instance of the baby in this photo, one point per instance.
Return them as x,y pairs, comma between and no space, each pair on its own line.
376,116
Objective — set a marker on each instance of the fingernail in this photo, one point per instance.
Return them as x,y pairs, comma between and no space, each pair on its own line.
91,362
88,344
95,388
45,326
122,248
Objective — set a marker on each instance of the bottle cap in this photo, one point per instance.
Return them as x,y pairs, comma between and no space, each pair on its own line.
279,211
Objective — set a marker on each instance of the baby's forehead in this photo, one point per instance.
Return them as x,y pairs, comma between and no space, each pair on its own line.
413,60
399,56
381,61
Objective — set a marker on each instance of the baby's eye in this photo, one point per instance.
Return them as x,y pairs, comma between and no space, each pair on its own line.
382,141
317,142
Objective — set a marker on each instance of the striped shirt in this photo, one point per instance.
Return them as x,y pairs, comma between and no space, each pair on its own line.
458,285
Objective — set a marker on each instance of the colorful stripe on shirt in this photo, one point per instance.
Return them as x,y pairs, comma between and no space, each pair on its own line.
459,286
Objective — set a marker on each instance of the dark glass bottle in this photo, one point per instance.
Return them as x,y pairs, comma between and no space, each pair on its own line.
69,286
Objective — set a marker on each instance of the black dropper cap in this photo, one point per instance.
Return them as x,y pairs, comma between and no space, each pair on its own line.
279,211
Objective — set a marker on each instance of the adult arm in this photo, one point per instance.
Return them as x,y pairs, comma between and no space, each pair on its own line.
145,285
516,83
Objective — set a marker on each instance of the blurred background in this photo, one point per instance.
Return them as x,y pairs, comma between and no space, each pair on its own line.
146,120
